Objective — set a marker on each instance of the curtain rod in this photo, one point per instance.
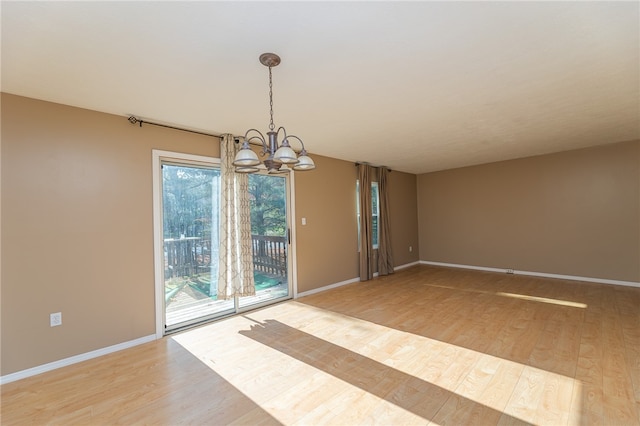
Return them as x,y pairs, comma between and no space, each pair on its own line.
134,120
357,163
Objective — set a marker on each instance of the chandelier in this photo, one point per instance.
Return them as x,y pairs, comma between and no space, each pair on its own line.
246,160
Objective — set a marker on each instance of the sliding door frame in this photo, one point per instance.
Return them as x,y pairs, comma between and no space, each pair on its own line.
158,156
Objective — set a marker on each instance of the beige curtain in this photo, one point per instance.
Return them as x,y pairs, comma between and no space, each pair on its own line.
366,248
385,255
235,276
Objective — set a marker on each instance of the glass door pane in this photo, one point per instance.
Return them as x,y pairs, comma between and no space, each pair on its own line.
190,210
270,238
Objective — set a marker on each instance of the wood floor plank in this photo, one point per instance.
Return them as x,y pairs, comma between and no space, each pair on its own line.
482,396
445,346
526,397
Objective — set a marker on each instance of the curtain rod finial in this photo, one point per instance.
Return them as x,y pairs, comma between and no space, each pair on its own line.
133,120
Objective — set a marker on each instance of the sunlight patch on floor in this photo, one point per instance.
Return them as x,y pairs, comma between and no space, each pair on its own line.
517,296
324,366
544,300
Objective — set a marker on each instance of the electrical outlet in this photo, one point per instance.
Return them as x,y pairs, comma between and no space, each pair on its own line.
509,271
55,319
410,249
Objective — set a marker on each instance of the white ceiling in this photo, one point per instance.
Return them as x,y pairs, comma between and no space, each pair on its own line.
416,86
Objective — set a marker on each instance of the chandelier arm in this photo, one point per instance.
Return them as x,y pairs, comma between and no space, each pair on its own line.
254,130
284,131
299,140
262,144
259,137
256,137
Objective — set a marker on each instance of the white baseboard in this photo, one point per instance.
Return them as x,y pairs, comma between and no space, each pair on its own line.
455,265
406,265
351,281
73,360
535,274
327,287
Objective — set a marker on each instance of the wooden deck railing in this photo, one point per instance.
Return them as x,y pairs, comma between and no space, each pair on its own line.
269,254
185,257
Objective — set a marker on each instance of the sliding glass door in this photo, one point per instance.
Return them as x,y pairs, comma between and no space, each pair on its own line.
190,219
269,238
189,194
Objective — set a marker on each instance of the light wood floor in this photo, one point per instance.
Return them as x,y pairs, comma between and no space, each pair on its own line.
426,345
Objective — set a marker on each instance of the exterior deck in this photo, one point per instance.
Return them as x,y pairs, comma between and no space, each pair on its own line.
191,262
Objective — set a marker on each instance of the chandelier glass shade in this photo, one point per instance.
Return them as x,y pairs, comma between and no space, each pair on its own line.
247,161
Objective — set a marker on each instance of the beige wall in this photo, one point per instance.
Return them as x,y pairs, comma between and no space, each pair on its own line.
328,243
403,217
327,246
77,227
571,213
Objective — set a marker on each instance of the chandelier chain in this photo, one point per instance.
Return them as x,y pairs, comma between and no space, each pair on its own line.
271,125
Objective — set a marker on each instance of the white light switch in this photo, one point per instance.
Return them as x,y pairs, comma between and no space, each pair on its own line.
55,319
304,220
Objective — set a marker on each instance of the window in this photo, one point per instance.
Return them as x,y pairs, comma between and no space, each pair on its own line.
375,211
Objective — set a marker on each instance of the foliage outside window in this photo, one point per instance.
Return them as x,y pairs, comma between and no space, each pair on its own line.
188,194
268,205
